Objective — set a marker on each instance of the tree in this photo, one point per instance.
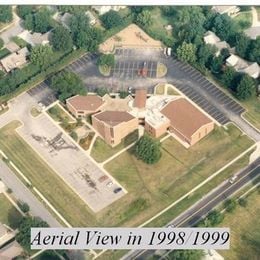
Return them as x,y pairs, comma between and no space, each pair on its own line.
215,217
205,53
102,91
242,202
106,60
29,22
230,205
123,94
187,52
41,55
228,77
42,21
148,150
224,53
144,18
186,255
24,234
111,19
23,206
254,53
78,23
6,14
246,88
216,65
242,45
1,43
24,10
61,39
67,84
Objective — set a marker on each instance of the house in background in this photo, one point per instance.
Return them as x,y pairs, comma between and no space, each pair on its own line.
92,18
212,39
14,60
64,19
35,38
241,65
113,126
102,9
230,10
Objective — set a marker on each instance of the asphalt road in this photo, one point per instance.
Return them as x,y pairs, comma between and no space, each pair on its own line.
21,192
191,216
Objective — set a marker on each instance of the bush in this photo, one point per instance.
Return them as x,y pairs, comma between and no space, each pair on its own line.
106,60
111,19
74,136
230,205
23,206
1,43
148,150
242,202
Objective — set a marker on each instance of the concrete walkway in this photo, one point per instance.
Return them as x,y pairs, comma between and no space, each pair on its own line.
255,21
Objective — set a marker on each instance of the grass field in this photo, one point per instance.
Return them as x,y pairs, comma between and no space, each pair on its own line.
9,215
243,20
102,151
44,178
253,113
151,188
59,115
243,221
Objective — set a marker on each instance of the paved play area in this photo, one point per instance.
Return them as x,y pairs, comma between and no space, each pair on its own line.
58,150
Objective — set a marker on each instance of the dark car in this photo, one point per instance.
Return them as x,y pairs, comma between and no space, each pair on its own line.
117,190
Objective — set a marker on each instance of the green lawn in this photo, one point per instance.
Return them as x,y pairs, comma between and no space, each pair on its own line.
102,151
159,89
59,115
152,188
253,111
243,221
4,52
9,215
243,20
19,41
44,178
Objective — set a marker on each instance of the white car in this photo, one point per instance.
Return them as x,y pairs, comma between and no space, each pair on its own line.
109,184
232,179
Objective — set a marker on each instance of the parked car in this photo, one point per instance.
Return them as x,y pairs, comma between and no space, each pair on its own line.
232,179
117,190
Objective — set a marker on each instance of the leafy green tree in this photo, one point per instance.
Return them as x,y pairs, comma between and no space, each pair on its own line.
230,205
111,19
242,45
102,91
61,39
254,50
23,10
224,53
123,94
242,202
73,9
78,24
205,53
186,255
144,18
67,84
187,52
1,43
23,206
228,77
41,55
106,59
42,21
168,10
24,234
6,14
216,65
246,88
215,217
148,150
29,22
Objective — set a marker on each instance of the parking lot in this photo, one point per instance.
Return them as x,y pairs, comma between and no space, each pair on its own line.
43,94
93,185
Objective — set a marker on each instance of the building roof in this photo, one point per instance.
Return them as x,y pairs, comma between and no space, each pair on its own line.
65,19
12,46
253,32
10,251
211,38
140,98
253,70
35,38
15,60
114,118
224,8
86,103
92,18
185,117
